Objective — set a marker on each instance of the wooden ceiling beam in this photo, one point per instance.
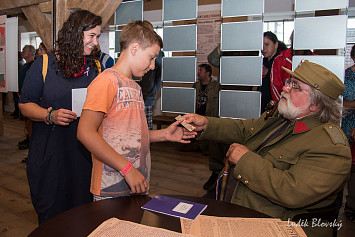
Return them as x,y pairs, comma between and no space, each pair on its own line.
46,7
103,8
40,23
62,13
19,3
72,4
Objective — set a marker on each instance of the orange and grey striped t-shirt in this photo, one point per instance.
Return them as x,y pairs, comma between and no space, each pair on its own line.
124,128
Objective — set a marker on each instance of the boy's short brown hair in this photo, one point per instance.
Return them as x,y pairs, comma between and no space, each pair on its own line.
141,32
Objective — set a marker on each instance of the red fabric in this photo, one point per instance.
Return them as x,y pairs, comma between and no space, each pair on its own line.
278,75
300,127
353,152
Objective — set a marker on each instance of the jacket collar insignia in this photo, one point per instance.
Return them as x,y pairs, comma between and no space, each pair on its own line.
300,127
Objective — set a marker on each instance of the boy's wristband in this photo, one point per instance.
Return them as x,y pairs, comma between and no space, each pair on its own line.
126,169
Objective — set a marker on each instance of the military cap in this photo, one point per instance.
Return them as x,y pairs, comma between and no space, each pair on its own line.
319,78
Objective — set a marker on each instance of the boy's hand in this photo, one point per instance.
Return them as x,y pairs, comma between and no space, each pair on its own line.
198,121
178,134
136,181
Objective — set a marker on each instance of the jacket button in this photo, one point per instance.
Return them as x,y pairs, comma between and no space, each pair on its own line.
280,157
330,126
246,182
239,177
252,129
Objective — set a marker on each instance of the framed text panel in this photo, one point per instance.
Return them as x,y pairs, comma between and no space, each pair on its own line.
179,69
330,32
178,100
246,36
129,11
241,70
239,104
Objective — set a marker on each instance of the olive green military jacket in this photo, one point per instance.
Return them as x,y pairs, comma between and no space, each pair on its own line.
212,97
302,169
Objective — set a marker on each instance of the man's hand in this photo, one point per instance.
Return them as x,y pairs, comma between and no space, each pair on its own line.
198,121
235,152
136,181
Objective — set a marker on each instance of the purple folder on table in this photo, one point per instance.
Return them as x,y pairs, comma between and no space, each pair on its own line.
175,207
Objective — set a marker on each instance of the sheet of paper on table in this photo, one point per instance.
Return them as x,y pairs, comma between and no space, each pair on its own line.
175,207
115,227
234,226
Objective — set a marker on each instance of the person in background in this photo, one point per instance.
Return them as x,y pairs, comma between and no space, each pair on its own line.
105,59
58,165
113,124
278,75
270,51
292,160
207,104
151,84
27,56
28,122
348,126
41,50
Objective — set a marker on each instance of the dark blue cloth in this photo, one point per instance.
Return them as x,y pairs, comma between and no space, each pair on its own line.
58,165
348,121
106,61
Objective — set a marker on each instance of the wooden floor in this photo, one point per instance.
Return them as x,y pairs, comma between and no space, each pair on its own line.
173,172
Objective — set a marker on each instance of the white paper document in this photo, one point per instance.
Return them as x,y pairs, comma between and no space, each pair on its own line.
235,227
78,98
115,227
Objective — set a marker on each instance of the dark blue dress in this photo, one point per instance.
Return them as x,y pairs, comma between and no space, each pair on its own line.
348,121
58,165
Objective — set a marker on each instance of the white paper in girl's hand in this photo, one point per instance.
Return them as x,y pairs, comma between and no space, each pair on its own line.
78,98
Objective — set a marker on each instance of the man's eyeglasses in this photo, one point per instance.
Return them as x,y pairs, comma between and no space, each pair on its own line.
293,84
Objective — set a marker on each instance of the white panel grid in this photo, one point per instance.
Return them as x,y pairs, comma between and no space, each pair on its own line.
179,10
313,5
231,8
128,11
239,104
178,100
180,38
172,69
333,63
246,36
327,32
241,70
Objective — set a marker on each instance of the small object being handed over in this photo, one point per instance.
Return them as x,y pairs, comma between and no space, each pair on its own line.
186,125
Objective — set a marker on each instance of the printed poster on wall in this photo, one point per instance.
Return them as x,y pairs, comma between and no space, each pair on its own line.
2,53
208,34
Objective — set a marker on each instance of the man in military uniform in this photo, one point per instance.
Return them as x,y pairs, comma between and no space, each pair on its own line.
292,160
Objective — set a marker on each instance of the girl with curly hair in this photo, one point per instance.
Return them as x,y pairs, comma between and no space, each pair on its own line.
58,165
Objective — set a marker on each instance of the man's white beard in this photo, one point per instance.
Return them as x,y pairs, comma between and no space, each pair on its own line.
288,110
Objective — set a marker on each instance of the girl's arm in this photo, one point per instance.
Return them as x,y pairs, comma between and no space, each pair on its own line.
89,136
36,113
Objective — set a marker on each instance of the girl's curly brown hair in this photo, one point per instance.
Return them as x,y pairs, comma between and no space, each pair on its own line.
70,47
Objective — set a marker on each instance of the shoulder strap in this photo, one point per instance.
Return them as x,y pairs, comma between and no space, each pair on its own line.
335,133
98,65
45,67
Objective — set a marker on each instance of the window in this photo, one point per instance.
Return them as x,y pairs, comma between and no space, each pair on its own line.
282,29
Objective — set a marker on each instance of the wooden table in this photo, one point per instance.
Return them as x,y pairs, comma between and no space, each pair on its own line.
82,220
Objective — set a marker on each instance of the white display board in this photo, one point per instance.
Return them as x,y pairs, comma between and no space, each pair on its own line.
333,63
